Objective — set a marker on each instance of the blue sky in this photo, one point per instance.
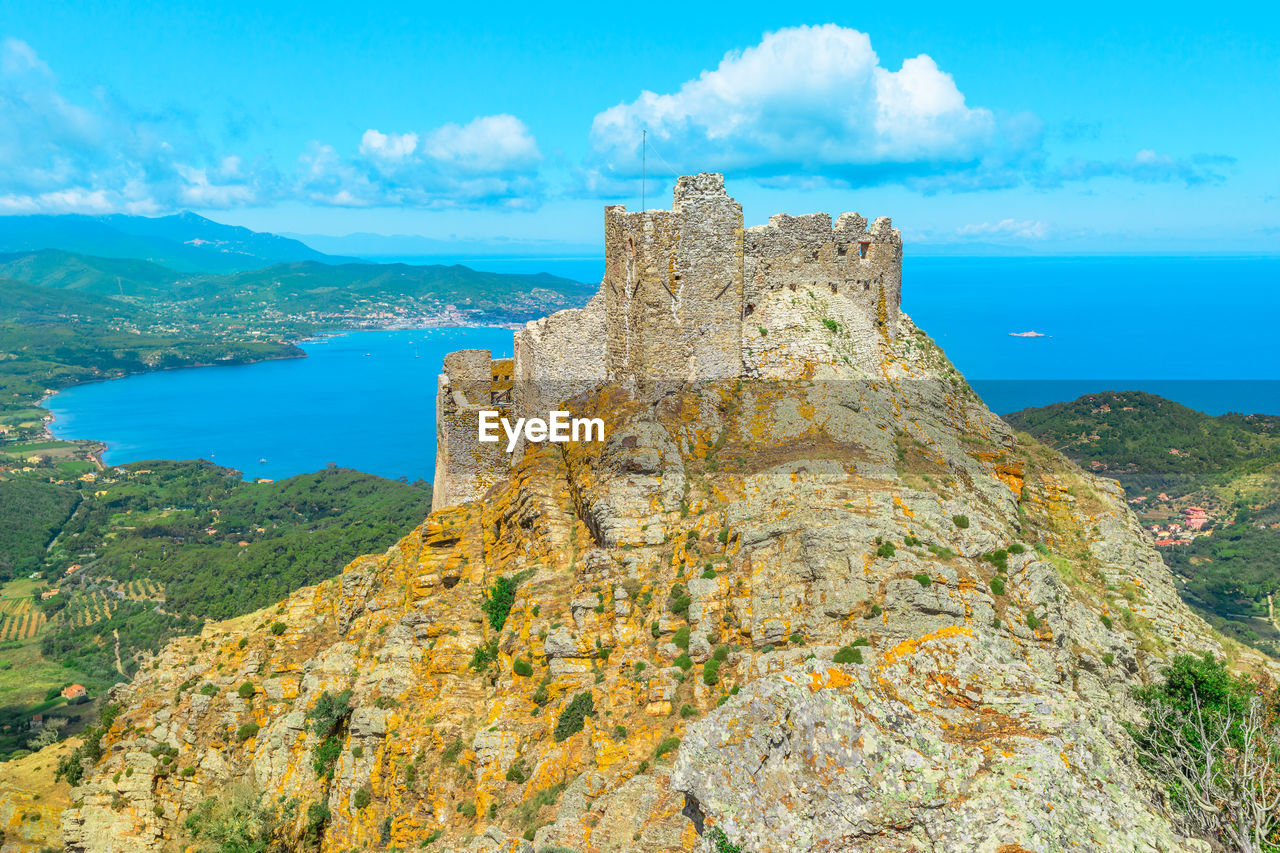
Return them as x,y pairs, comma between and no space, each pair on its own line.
1080,127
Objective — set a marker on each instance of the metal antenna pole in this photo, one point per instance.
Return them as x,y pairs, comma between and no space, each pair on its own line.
644,144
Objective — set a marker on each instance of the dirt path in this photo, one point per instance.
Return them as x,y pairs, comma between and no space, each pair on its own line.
115,632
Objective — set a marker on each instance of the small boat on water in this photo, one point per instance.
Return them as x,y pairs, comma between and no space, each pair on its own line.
262,461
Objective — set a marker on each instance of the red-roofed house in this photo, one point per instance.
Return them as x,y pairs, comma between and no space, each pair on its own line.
73,691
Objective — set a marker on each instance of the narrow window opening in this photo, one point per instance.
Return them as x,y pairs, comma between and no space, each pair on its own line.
862,249
842,250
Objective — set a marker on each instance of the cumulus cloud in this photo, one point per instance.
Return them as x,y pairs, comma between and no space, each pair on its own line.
811,101
1028,230
490,161
100,156
813,106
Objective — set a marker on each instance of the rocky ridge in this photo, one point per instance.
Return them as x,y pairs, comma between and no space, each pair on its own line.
838,606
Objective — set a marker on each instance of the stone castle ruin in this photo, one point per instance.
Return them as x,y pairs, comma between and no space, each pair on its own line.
684,296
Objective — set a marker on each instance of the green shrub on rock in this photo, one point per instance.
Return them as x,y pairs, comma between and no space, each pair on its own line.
573,717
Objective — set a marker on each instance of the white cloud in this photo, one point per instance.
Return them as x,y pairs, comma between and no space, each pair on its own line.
383,146
490,161
100,156
1028,230
488,144
805,101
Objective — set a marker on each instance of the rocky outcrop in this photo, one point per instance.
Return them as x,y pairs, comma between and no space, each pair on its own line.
680,660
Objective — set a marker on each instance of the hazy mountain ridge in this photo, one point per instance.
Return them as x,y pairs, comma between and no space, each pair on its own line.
185,241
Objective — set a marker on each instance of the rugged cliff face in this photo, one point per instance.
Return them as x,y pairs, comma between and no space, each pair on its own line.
845,611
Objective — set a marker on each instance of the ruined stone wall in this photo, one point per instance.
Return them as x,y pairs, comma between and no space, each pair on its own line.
673,286
807,252
676,303
465,469
558,357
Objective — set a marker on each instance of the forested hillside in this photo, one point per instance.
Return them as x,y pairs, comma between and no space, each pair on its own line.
1177,463
147,551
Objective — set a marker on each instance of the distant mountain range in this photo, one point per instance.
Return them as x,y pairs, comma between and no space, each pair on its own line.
185,242
300,287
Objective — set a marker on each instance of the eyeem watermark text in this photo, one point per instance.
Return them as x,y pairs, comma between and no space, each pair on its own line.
558,427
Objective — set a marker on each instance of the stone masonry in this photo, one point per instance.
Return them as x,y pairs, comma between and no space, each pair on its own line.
680,287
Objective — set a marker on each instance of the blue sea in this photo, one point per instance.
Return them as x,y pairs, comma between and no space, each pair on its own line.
1201,331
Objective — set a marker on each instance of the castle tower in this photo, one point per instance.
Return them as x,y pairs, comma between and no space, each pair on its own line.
472,381
673,286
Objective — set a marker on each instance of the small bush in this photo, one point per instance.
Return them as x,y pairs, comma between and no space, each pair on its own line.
619,732
708,573
796,638
188,771
687,711
861,641
517,772
911,542
1108,658
452,751
1033,622
997,586
522,668
666,746
998,558
573,717
484,655
498,600
923,579
247,731
873,612
684,662
711,672
1017,548
848,654
468,810
681,638
1106,621
721,653
721,843
960,521
244,641
246,690
278,628
362,797
886,550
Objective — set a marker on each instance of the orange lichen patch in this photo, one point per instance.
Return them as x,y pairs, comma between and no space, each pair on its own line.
1012,475
906,510
829,679
1012,848
909,647
1066,761
987,724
